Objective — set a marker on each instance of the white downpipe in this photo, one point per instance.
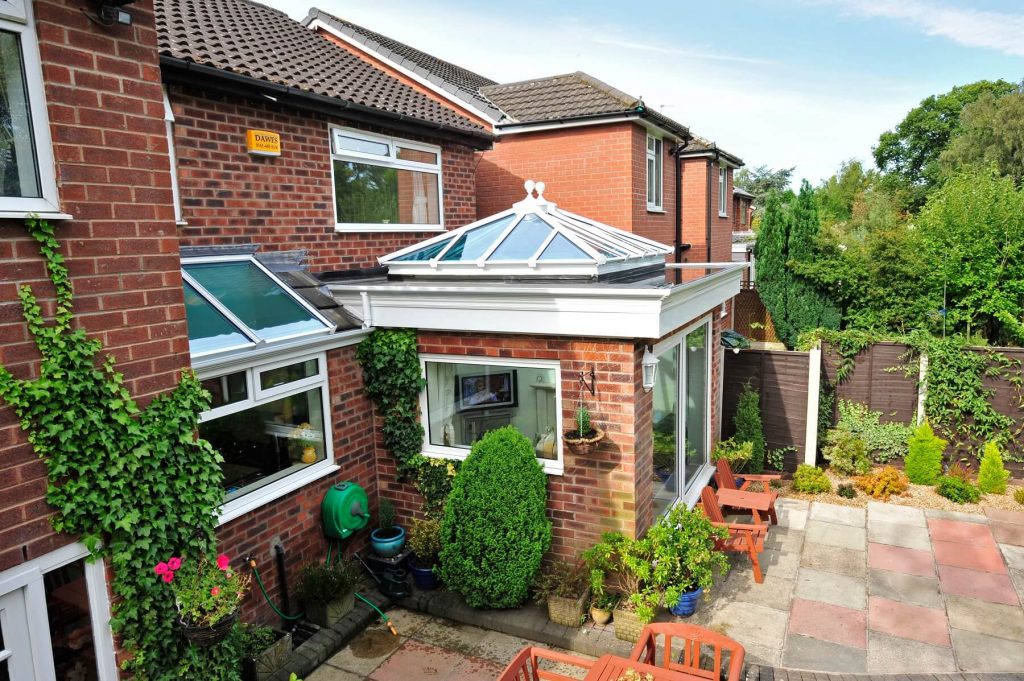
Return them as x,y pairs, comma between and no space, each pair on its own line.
813,392
367,315
922,388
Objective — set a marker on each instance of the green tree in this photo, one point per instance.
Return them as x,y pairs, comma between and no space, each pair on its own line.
762,181
972,234
770,266
923,463
909,155
839,194
806,306
991,132
749,427
992,475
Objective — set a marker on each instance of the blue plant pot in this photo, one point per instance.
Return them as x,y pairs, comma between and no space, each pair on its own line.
388,543
423,577
739,481
687,603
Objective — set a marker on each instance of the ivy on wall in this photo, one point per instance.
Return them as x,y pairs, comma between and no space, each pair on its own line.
135,485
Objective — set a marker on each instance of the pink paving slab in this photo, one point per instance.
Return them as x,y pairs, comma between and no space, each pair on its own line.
974,556
908,621
900,559
829,623
985,586
960,532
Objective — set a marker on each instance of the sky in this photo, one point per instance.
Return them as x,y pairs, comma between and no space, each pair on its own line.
782,83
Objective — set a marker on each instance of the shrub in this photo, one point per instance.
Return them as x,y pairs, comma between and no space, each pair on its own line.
327,582
749,427
992,475
1018,495
883,441
846,491
957,490
385,514
923,463
425,541
811,480
563,579
776,458
495,528
883,483
959,471
845,452
737,453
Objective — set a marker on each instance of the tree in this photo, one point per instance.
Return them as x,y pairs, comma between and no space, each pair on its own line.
909,155
807,307
838,195
972,234
991,132
770,265
762,181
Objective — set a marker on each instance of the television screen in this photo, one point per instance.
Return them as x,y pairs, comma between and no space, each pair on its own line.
481,391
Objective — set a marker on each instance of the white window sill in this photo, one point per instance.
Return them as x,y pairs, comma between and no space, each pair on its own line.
661,211
23,214
723,215
181,223
355,228
550,467
275,490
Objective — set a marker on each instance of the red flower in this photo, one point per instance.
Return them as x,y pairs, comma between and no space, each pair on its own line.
223,561
168,577
214,591
161,568
174,562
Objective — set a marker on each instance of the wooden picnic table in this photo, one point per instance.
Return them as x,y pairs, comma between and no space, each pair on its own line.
611,667
755,502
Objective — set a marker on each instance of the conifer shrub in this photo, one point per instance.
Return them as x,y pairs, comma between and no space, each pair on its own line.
992,475
749,427
883,483
811,480
923,463
1018,495
846,453
957,490
846,491
495,528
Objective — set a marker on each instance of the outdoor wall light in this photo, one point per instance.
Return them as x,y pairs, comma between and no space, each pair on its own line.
649,364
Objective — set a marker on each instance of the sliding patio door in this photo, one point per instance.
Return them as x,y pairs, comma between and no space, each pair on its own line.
681,415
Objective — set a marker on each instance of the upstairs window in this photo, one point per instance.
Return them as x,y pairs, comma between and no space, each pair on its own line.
27,183
654,173
385,183
723,186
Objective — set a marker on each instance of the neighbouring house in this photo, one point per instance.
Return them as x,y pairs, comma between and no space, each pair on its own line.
743,236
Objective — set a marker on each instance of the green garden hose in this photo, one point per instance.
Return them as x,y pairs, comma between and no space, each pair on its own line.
259,580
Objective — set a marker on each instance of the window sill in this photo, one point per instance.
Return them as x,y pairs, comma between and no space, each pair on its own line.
723,215
659,211
181,223
275,490
357,228
23,214
550,467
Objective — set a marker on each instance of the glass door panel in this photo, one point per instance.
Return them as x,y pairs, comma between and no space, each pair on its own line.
696,395
666,431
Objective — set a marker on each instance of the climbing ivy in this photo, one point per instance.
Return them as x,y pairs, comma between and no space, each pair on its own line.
136,485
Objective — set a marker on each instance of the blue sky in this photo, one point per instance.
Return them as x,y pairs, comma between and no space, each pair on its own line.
805,83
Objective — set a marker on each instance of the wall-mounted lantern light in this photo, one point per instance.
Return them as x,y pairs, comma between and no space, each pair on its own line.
649,366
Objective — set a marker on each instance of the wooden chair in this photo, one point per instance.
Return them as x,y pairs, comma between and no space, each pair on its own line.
726,480
743,538
526,665
688,655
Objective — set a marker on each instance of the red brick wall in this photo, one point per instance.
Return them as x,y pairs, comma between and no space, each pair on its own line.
656,225
284,202
294,520
695,201
106,120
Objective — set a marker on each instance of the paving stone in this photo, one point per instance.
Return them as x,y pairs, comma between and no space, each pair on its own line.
1017,577
894,534
848,562
406,621
476,669
831,587
326,672
499,647
980,653
843,536
416,660
839,515
782,564
1015,517
955,515
908,621
450,635
900,559
958,531
979,557
785,540
828,622
986,586
1007,533
804,652
892,655
761,655
774,592
750,623
792,513
994,619
1014,555
367,651
893,513
899,586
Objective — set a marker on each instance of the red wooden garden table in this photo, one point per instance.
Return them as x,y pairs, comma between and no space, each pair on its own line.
610,668
757,503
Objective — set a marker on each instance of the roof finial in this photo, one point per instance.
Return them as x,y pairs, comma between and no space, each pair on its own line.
539,186
528,186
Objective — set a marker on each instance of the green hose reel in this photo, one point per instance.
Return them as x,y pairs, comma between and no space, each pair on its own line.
344,509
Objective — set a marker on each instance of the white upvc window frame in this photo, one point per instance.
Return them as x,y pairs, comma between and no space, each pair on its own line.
16,17
723,191
255,396
655,173
389,161
551,467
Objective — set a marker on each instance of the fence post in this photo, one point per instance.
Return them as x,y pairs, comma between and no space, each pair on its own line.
922,388
813,394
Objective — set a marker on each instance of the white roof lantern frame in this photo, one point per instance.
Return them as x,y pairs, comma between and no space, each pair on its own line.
603,249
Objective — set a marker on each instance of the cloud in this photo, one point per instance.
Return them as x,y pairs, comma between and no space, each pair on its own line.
1000,31
676,52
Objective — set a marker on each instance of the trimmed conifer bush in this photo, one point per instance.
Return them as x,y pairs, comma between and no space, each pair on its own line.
923,464
495,529
992,475
749,427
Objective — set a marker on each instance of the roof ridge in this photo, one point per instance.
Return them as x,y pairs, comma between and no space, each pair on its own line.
626,99
530,81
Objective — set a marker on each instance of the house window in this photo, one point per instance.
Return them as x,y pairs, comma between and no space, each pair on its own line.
384,183
654,173
723,186
27,183
465,397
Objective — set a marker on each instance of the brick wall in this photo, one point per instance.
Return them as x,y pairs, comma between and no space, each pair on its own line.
106,121
285,202
695,201
657,225
293,521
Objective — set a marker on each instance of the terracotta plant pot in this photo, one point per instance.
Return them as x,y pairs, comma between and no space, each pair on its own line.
628,625
328,613
568,611
600,616
583,445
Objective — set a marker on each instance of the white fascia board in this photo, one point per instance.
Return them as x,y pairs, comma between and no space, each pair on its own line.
607,313
317,24
225,363
516,128
689,301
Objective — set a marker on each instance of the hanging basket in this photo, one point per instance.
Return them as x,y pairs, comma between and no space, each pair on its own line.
583,445
208,636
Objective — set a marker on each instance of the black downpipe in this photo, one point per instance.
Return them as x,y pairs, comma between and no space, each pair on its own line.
679,211
282,582
707,229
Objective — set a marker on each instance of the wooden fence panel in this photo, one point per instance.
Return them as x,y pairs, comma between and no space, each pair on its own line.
874,382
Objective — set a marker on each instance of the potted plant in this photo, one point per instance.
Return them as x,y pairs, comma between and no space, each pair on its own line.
206,595
388,539
683,557
425,542
565,589
328,591
586,435
305,437
264,652
601,605
625,566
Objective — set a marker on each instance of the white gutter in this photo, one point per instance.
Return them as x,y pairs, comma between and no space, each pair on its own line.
225,362
367,314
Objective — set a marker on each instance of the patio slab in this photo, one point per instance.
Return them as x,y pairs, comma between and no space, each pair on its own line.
804,652
326,672
848,562
895,534
998,514
751,624
890,513
981,653
982,617
892,655
1007,533
959,531
985,586
900,559
827,622
1014,555
838,515
775,592
792,513
782,564
831,587
451,635
783,539
833,534
418,660
943,514
980,557
899,586
908,621
367,651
